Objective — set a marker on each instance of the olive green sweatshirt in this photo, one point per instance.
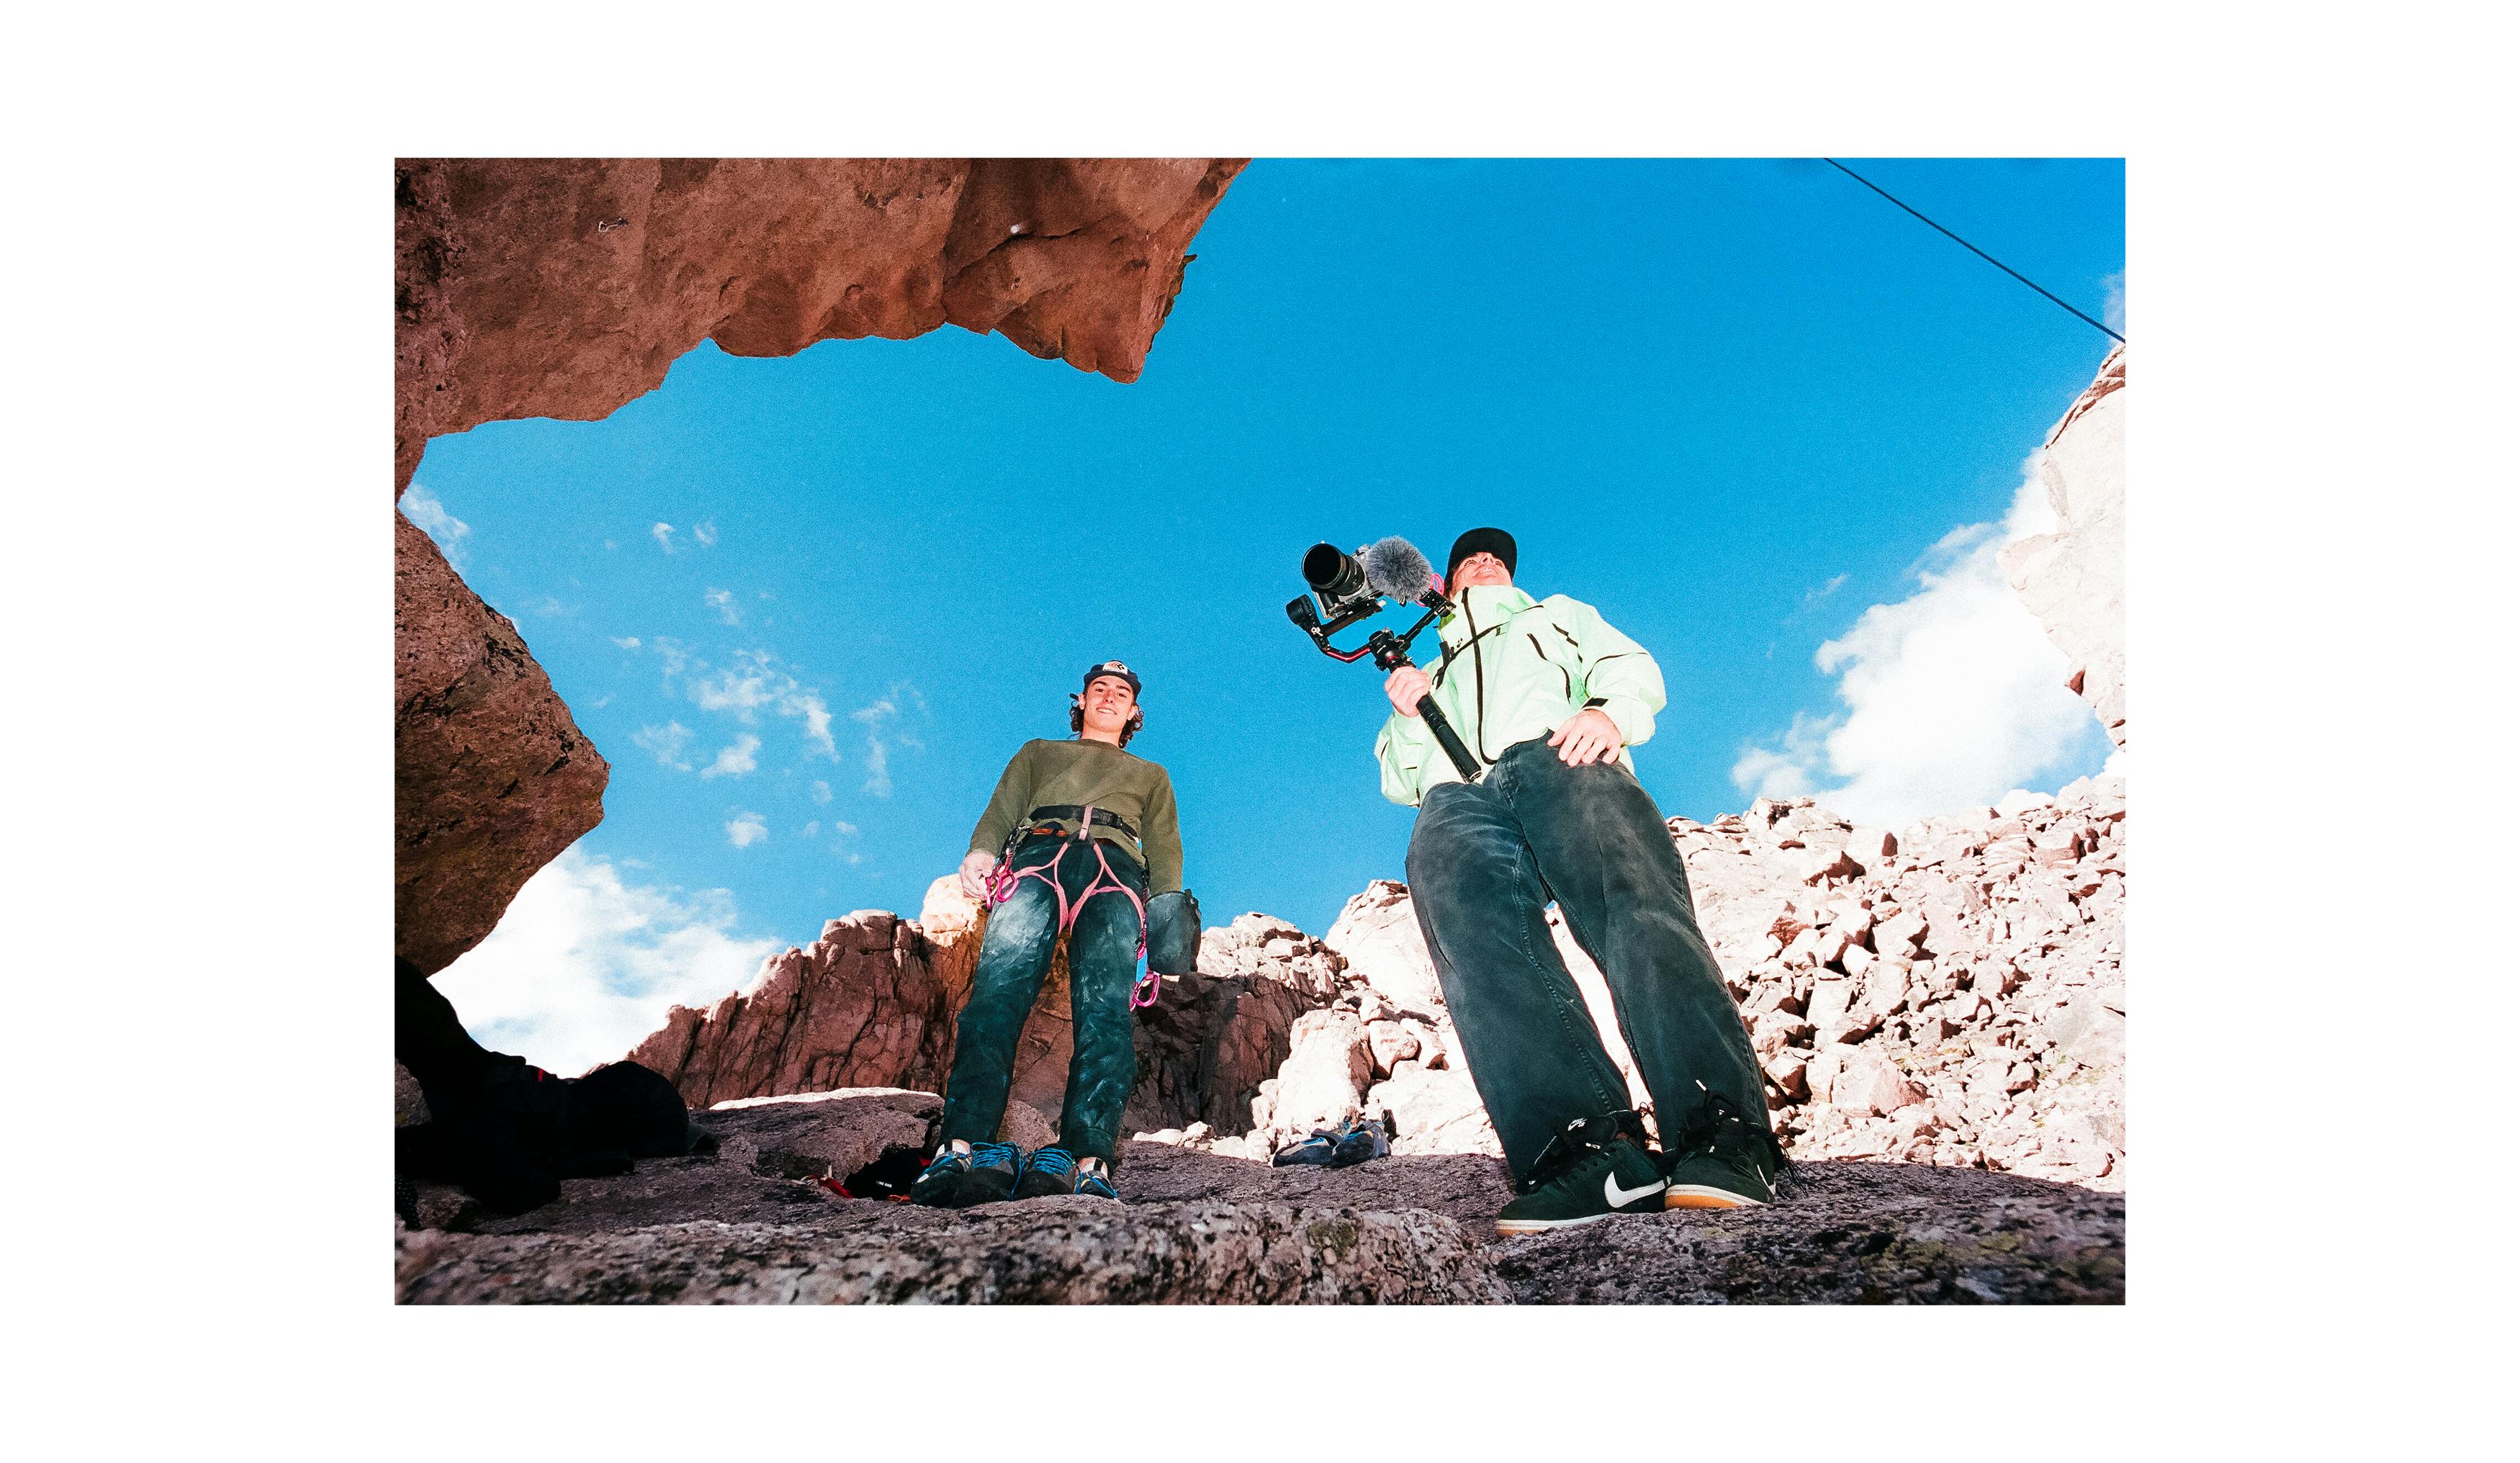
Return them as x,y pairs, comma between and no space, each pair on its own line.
1083,772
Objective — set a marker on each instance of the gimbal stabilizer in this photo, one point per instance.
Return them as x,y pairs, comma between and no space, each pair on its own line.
1349,591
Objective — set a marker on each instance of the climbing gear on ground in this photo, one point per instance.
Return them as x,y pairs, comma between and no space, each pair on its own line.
1316,1150
1592,1169
1722,1162
1056,1172
1362,1140
1355,1140
1000,883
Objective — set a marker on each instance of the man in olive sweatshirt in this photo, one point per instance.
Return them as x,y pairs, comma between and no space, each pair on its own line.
1079,836
1549,698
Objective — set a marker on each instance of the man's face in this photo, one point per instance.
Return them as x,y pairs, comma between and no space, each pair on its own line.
1108,703
1481,567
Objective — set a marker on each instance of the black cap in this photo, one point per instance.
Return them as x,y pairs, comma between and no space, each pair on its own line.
1116,669
1494,541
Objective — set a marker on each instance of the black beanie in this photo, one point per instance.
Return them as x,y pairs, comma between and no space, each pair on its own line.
1494,541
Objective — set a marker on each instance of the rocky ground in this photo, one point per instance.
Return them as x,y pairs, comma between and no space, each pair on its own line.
755,1223
1941,1014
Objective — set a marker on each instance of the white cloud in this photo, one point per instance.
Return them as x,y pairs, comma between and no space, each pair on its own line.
663,534
1813,597
626,642
745,829
430,517
810,829
734,759
756,683
822,791
723,601
2113,309
583,965
667,743
882,720
705,533
1949,697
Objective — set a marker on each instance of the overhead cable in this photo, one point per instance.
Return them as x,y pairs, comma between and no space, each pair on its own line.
1981,253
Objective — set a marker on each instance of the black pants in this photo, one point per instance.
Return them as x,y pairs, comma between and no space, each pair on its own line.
1484,860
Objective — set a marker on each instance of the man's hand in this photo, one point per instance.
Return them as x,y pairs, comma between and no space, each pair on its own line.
975,873
1404,687
1589,736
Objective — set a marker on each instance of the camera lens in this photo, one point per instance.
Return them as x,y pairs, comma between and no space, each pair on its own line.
1335,575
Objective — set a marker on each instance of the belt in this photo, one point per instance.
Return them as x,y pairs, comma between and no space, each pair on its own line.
1073,811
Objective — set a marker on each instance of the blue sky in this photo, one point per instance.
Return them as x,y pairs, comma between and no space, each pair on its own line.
1759,418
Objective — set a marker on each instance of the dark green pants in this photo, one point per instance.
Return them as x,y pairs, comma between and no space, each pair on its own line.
1484,860
1014,956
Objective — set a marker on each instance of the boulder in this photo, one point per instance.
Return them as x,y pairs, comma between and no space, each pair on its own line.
1377,935
1326,1072
492,776
2074,580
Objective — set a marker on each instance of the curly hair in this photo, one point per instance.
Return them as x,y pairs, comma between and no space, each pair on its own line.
1077,718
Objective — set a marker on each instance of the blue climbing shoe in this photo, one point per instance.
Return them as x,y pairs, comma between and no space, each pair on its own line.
1056,1172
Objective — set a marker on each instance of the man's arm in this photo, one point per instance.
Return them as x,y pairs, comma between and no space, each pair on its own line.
1012,801
1403,749
1619,675
1163,837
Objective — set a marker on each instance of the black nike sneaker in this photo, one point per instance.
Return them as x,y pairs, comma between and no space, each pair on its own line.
1722,1162
1056,1172
964,1174
1593,1168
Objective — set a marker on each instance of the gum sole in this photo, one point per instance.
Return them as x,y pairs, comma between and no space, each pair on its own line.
1693,1196
1506,1228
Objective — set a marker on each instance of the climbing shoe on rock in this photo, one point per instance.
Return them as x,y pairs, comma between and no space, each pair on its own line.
1318,1148
1593,1168
1722,1163
1362,1140
936,1184
1056,1172
965,1173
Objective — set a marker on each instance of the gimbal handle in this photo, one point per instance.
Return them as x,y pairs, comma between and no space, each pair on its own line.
1391,652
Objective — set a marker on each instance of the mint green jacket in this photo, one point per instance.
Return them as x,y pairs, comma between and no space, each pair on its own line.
1514,668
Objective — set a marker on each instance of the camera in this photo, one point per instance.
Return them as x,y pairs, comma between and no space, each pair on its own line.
1351,587
1340,589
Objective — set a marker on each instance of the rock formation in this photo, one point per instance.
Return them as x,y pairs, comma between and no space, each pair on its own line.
564,288
756,1223
492,779
544,287
2074,580
872,1002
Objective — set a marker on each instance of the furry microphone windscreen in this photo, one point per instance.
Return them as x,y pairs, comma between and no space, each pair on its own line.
1396,570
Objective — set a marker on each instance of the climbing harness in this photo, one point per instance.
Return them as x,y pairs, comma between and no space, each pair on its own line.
1004,878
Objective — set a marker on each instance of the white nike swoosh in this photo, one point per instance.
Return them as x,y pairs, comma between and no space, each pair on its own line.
1619,1197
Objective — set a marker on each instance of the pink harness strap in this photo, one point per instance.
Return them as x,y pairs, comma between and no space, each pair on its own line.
1005,877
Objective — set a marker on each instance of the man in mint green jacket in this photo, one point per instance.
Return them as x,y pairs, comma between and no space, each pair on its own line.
1548,698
